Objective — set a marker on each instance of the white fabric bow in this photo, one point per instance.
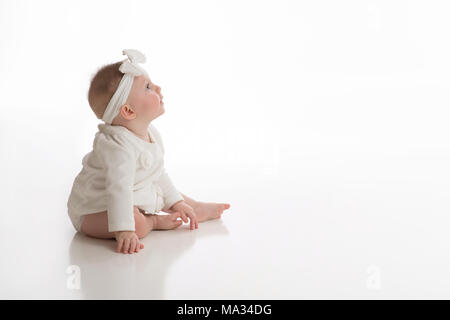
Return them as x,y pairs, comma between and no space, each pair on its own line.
130,69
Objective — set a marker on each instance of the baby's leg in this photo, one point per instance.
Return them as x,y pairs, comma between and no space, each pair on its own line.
188,200
96,224
209,210
206,210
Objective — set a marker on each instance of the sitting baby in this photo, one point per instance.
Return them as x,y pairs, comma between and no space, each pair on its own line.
123,183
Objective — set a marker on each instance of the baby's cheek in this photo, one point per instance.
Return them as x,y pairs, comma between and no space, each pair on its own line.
155,101
154,106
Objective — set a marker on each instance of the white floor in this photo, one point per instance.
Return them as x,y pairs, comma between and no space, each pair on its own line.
327,132
322,237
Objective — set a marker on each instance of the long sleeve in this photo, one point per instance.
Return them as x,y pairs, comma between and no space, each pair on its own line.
119,169
171,194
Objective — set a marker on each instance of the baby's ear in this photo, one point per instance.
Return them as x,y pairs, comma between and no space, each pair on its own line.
127,112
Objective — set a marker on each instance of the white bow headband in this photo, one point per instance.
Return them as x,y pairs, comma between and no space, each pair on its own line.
130,69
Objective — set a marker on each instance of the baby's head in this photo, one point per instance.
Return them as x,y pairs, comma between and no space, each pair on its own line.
144,102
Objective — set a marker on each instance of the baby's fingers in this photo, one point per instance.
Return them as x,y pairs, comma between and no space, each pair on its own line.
126,246
184,217
193,218
175,216
132,246
195,222
192,222
138,245
119,245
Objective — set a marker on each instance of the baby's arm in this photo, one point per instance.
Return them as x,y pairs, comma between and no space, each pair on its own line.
119,168
193,203
174,201
171,194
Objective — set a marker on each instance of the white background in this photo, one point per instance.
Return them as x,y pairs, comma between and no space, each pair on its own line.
323,123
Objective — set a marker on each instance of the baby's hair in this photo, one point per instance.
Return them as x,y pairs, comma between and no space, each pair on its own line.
103,85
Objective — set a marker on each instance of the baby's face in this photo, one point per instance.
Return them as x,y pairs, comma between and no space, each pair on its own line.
146,99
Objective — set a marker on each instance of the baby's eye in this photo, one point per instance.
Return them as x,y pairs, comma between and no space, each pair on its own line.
148,86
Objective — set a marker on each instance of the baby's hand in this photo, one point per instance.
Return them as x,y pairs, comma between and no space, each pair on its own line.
186,210
128,241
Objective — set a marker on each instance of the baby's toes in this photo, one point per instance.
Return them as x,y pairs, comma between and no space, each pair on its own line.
222,207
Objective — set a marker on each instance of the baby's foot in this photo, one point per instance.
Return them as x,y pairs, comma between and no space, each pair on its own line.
166,222
209,210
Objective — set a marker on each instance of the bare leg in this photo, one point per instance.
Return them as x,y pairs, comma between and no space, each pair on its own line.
96,224
189,201
209,210
205,210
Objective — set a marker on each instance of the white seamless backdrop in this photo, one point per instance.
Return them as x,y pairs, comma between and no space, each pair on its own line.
323,123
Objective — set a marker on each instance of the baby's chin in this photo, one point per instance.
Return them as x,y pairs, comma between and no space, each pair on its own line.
161,111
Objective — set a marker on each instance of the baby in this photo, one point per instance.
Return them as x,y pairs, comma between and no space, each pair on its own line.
123,182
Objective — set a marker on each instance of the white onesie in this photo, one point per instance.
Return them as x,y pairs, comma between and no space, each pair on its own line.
120,172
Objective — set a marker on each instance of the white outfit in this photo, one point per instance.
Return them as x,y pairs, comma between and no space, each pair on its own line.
120,172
